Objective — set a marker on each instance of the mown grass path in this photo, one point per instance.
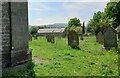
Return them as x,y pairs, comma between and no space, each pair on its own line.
60,60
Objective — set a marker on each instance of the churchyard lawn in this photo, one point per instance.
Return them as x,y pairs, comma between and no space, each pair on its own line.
61,60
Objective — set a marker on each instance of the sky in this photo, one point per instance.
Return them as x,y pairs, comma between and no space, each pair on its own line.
61,11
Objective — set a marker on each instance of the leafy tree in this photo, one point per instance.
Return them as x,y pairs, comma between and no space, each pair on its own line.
33,30
110,17
93,24
73,22
112,13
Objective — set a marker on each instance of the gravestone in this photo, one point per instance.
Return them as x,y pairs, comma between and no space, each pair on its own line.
30,37
35,37
81,37
119,35
110,38
14,34
73,39
50,38
100,38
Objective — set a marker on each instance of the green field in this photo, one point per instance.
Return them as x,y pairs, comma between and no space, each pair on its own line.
60,60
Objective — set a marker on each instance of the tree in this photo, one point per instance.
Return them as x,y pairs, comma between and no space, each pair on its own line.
73,22
112,13
83,29
33,30
93,24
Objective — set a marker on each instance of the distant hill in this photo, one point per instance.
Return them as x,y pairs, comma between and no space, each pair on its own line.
60,25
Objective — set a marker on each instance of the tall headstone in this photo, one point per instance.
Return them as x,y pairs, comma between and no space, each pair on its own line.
110,38
19,33
50,38
100,38
14,33
73,39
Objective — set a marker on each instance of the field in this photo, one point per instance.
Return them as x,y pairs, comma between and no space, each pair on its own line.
60,60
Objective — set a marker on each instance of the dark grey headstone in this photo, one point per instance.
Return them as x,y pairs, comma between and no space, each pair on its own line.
100,38
14,33
110,38
50,38
73,39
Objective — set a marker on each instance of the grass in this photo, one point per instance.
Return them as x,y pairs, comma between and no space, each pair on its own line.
27,72
61,60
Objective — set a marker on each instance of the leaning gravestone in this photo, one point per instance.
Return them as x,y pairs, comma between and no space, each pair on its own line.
110,38
50,38
100,38
119,35
73,39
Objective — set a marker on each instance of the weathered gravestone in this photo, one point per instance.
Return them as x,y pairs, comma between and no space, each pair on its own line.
73,39
14,34
100,38
81,36
119,35
30,37
50,38
35,37
110,38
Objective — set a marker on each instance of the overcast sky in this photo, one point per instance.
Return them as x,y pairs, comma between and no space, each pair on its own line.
60,11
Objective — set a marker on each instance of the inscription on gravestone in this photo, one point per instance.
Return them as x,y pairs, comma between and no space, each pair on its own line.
110,38
73,39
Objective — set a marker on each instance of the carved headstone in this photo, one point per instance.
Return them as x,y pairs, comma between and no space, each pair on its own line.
110,38
73,39
14,33
100,38
50,38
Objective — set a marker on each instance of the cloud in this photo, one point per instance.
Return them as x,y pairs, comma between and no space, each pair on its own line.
34,6
73,6
69,0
